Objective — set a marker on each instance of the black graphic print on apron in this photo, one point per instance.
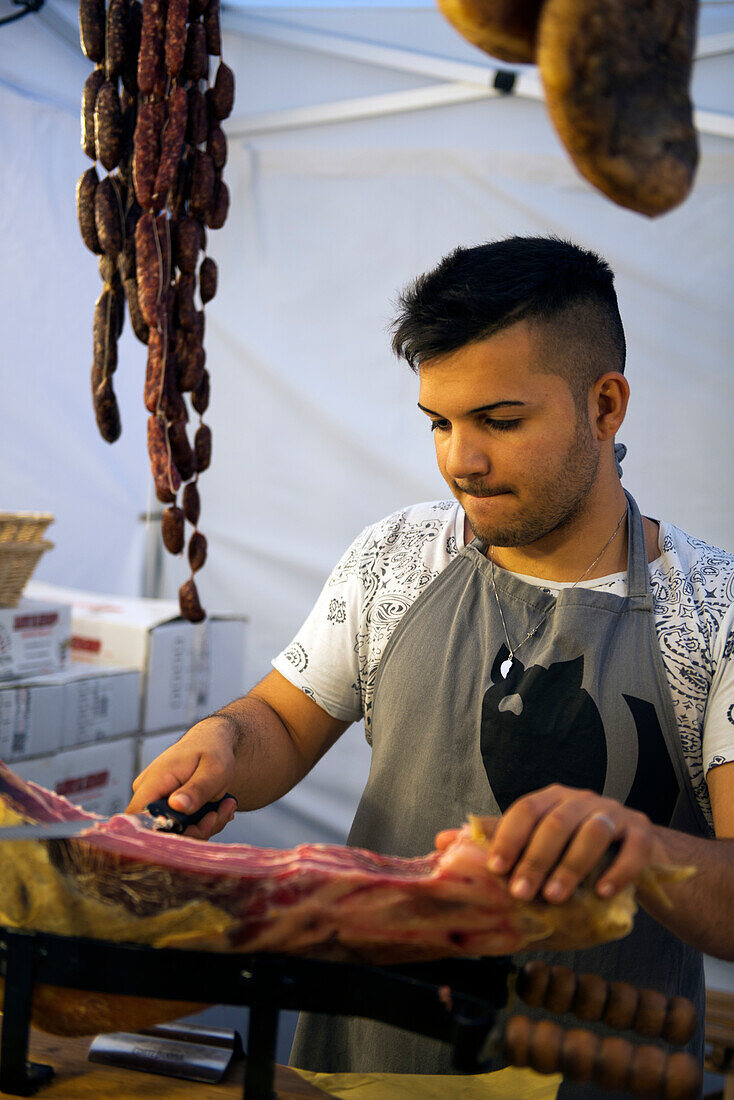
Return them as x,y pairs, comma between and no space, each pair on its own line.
539,726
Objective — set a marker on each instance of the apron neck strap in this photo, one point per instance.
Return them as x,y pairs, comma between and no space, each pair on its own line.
638,575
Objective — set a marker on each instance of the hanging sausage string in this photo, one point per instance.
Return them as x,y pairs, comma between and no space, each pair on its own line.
152,120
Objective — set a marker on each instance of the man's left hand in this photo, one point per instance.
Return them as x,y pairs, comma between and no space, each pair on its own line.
548,841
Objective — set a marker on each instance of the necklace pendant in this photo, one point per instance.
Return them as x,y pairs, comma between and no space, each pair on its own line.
505,668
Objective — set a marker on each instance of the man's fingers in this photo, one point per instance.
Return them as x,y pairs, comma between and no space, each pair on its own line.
552,839
517,826
214,821
205,785
633,857
152,784
545,850
594,835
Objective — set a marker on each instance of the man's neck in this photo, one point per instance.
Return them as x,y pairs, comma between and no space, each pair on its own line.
565,555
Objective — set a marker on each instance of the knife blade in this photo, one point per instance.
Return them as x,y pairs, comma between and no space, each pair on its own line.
158,816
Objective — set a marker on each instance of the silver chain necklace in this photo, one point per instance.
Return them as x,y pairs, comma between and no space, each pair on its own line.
507,664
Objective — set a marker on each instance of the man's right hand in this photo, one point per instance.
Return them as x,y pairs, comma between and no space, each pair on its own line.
197,769
256,748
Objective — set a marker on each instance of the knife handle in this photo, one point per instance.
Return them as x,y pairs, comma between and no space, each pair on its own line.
178,820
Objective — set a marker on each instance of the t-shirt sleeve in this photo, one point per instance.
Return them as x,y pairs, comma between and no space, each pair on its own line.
718,725
322,660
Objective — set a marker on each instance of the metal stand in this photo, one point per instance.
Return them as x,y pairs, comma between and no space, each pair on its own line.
452,1000
17,1075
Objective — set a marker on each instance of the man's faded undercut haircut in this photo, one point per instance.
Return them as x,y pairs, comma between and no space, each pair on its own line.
473,293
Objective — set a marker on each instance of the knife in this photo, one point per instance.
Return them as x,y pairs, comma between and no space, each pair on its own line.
158,816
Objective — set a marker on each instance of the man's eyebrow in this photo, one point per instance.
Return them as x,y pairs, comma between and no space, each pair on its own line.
479,409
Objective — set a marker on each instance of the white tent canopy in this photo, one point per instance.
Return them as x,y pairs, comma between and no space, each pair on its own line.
366,142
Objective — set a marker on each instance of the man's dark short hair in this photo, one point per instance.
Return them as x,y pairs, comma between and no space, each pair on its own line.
474,293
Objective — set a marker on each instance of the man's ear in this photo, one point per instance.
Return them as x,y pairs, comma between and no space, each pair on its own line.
608,399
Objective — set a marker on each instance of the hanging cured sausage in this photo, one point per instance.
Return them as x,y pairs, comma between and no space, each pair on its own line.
151,121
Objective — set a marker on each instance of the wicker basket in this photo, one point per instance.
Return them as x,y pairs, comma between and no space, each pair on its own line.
23,526
21,547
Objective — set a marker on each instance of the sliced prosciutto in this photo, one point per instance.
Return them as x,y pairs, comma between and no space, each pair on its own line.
120,880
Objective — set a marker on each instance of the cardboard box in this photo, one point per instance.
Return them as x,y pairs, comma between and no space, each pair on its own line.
30,718
98,777
35,637
150,747
99,703
188,669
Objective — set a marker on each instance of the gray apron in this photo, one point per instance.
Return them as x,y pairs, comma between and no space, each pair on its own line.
586,703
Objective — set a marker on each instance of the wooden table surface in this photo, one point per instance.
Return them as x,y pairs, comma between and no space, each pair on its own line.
78,1079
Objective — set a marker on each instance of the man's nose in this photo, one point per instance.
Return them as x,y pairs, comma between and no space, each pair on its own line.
466,456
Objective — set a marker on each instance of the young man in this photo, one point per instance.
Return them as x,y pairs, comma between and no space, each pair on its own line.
536,650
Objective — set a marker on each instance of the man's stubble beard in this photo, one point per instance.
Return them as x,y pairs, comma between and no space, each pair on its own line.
557,499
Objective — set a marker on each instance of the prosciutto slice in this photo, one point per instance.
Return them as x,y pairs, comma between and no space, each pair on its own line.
122,881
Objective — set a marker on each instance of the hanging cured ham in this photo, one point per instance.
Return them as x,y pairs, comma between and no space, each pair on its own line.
616,75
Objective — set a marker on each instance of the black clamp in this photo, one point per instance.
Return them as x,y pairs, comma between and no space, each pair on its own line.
504,81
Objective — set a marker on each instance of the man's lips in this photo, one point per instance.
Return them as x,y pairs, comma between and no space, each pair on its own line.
482,493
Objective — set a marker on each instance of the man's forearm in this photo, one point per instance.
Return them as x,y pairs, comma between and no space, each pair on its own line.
702,909
267,761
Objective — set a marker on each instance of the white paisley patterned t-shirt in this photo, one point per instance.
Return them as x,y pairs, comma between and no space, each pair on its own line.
335,655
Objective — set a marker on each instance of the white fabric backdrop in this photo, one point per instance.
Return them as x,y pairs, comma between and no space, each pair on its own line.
315,427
